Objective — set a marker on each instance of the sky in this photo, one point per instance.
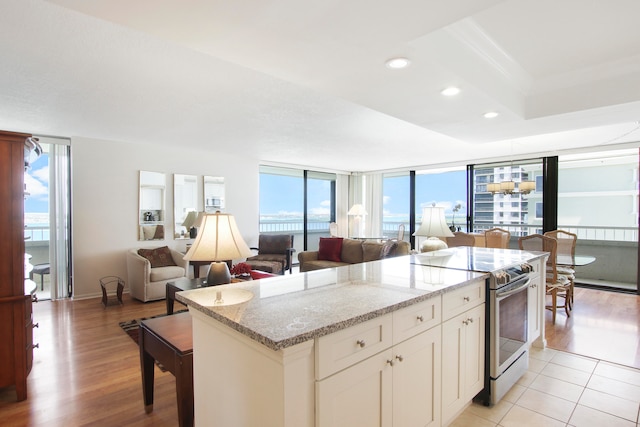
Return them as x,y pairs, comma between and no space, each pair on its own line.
37,185
283,195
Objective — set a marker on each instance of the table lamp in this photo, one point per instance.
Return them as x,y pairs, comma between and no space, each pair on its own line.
189,223
218,241
434,225
357,211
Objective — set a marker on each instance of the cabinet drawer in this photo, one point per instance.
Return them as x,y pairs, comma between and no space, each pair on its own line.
342,349
416,318
460,300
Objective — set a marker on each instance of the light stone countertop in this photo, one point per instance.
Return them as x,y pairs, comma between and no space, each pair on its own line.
286,310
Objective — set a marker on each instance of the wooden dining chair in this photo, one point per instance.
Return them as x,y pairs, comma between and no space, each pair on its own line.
461,239
496,238
557,285
566,246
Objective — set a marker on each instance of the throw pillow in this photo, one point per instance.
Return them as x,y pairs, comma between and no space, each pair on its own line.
330,248
159,257
388,249
351,251
371,251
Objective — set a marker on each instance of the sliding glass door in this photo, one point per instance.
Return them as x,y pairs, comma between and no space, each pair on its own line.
48,219
598,201
298,202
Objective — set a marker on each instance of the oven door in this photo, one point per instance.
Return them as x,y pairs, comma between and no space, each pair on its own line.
509,324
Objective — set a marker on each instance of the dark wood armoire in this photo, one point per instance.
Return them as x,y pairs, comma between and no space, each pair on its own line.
16,324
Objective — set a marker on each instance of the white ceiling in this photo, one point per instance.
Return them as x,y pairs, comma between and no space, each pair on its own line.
304,82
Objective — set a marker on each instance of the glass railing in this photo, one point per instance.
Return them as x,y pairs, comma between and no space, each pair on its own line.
36,233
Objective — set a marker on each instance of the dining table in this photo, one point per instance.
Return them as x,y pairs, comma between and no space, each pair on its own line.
575,260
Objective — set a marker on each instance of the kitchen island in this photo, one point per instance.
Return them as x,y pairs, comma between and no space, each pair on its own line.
355,345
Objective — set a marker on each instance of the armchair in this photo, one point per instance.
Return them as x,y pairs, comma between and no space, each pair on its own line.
274,248
149,274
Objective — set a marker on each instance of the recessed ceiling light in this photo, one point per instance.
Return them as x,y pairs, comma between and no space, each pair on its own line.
451,91
397,63
491,115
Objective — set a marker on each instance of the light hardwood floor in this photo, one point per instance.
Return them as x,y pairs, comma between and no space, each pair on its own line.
603,325
86,371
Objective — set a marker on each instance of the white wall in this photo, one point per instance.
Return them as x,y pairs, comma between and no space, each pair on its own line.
105,201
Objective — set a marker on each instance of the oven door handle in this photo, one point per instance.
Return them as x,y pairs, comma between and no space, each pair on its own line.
502,295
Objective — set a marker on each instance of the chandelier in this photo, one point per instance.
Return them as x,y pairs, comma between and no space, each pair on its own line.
509,187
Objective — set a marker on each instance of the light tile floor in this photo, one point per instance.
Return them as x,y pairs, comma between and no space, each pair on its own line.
563,389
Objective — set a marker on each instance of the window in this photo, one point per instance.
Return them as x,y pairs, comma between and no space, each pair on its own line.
282,204
510,210
538,210
395,204
445,188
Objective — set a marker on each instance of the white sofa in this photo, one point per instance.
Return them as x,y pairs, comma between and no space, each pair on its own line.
147,283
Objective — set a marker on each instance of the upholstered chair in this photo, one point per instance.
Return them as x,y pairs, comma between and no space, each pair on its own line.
274,248
149,270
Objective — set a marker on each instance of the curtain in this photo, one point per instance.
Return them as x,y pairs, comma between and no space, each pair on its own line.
373,204
60,217
342,204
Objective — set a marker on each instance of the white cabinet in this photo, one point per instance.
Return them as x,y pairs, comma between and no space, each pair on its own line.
536,303
402,369
358,396
398,386
417,380
534,298
462,350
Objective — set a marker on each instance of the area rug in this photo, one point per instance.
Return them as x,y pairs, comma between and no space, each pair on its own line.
132,328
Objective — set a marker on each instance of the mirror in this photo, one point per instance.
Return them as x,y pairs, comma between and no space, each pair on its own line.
185,204
151,213
213,194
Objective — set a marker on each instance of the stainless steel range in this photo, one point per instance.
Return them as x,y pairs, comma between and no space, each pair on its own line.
507,341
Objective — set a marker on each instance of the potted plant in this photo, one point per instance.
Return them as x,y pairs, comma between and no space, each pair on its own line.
455,209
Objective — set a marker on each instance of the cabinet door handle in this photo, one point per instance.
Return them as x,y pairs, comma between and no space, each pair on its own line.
400,358
470,320
361,343
420,318
466,322
36,345
467,299
37,325
390,362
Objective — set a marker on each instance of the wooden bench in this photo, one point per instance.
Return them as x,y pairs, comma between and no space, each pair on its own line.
169,340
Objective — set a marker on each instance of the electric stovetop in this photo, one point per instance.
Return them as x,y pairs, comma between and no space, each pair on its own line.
484,260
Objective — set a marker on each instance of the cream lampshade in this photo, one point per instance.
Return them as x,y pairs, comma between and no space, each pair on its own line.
218,241
434,225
